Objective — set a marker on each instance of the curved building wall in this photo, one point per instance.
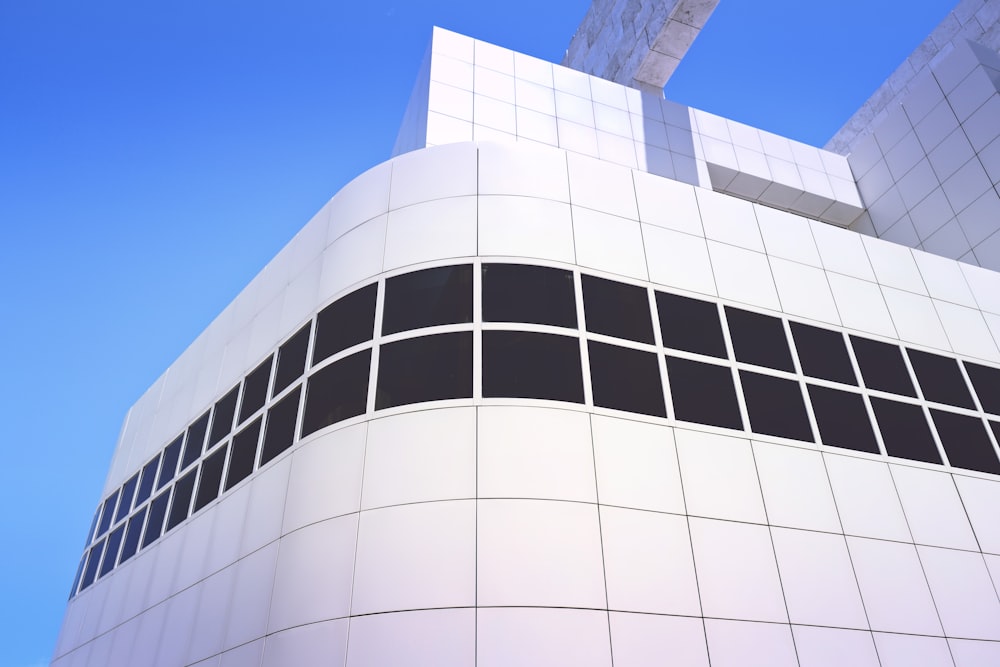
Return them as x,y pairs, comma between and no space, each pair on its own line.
562,475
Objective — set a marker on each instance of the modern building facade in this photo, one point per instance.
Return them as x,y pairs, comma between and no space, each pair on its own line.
579,377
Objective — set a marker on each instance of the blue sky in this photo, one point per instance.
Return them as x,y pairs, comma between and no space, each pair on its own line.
154,156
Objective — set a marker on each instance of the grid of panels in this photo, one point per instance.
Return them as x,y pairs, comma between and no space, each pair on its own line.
575,338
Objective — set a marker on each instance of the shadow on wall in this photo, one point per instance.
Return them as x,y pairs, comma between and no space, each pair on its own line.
668,145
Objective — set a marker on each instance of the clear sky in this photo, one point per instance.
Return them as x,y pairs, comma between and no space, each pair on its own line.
154,156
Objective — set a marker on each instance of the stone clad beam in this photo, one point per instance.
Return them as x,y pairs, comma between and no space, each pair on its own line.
638,43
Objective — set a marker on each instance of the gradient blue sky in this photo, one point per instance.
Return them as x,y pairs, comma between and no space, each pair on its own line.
154,156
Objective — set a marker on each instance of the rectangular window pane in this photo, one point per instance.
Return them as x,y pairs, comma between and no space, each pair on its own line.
147,480
182,500
626,379
428,298
111,550
222,417
337,392
965,441
125,500
244,453
703,393
905,431
775,406
255,390
427,368
157,512
211,478
616,309
93,562
345,323
986,380
194,441
168,467
533,294
842,419
882,366
519,364
759,339
823,353
690,325
279,433
940,379
132,535
108,513
291,360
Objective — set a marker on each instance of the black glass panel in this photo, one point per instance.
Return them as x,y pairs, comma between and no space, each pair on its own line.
194,442
147,480
616,309
181,505
111,550
337,392
211,478
691,325
93,524
703,393
255,390
222,417
345,322
519,364
966,441
759,339
940,379
157,511
428,298
280,430
428,368
842,419
108,513
291,360
125,500
626,379
90,573
168,468
534,294
905,431
823,353
775,406
132,535
882,366
244,453
986,381
79,575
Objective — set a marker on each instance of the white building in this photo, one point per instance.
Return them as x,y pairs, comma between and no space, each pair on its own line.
584,377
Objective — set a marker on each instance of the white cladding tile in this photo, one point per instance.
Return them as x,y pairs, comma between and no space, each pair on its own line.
743,275
678,260
525,227
431,230
719,476
608,243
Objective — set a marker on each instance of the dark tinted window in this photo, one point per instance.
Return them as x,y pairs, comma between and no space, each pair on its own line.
194,442
125,500
965,441
842,419
211,478
147,480
690,325
93,524
79,575
986,381
168,468
108,513
626,379
428,298
132,535
617,309
291,360
905,431
519,364
940,379
90,573
823,353
775,406
222,417
882,366
255,390
535,294
280,430
759,339
157,511
337,392
111,550
428,368
345,322
703,393
243,454
181,505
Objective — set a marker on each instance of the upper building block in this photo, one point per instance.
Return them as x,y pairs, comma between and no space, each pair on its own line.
637,43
